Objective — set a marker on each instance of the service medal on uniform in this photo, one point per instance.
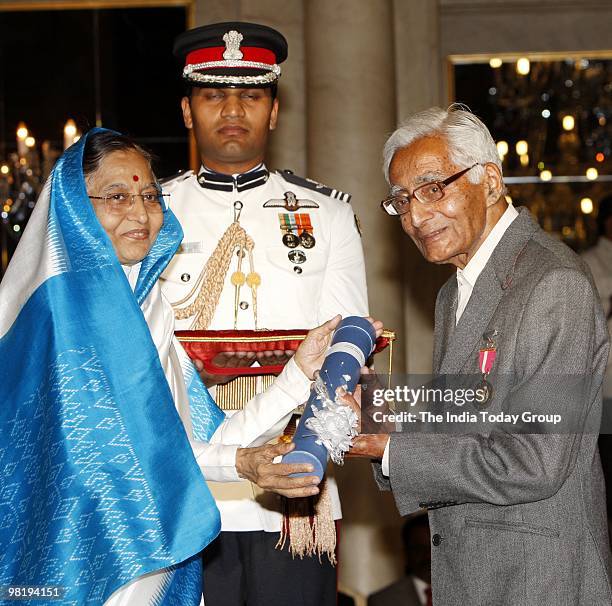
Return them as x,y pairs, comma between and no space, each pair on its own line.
290,240
297,230
307,240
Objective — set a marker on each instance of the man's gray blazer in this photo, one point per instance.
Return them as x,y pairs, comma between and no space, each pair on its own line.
516,518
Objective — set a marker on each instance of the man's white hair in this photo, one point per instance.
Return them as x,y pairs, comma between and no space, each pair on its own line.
469,140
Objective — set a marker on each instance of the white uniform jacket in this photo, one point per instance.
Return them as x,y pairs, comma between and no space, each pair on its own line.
329,281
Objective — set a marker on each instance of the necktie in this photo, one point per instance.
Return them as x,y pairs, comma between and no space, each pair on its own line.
428,596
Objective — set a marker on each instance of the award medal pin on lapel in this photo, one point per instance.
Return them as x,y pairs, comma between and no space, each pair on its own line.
486,359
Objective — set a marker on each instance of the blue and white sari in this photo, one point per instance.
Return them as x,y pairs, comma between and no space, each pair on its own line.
98,483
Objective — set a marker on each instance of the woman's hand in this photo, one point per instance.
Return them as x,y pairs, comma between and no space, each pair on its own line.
311,352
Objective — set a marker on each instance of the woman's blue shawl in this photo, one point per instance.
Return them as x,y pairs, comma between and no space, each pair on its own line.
98,482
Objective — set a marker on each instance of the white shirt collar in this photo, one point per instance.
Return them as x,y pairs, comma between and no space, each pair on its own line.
477,263
466,277
421,588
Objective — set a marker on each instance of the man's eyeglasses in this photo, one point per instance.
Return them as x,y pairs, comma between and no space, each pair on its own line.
428,193
121,203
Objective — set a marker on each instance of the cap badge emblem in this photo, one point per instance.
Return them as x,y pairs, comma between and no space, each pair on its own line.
232,41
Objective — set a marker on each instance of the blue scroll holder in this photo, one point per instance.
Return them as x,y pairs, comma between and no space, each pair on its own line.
351,346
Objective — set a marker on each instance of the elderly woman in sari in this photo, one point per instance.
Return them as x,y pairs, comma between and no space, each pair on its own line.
102,491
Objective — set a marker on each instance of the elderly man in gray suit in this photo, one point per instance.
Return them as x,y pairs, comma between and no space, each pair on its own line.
517,518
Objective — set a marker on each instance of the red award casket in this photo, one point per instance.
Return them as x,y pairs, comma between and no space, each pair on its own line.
204,345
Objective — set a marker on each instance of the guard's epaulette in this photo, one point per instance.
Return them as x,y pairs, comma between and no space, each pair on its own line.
288,176
176,178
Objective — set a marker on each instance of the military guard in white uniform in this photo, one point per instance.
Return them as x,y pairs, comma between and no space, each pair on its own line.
262,250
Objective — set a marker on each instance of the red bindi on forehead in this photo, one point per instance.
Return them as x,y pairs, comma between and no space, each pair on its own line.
135,177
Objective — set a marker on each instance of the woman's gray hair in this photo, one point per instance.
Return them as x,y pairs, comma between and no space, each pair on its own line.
102,143
469,140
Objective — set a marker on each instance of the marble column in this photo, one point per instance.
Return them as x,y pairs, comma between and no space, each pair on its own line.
420,71
351,108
